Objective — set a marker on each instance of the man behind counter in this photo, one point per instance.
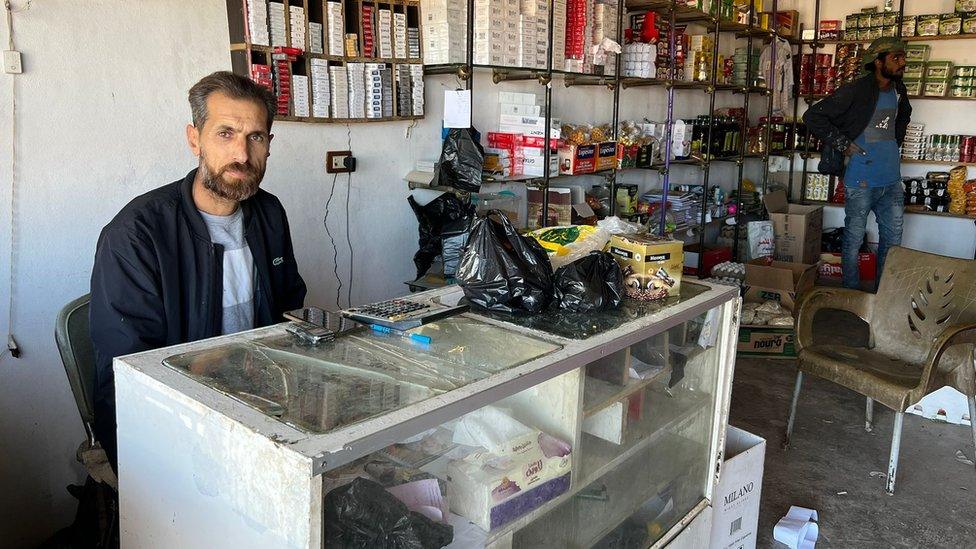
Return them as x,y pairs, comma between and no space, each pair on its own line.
207,255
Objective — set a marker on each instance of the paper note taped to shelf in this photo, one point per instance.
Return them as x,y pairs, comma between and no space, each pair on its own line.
457,108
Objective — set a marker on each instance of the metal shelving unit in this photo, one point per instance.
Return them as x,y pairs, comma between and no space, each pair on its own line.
677,15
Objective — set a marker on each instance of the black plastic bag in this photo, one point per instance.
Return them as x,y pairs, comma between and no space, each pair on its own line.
591,283
362,514
503,271
446,216
462,161
833,241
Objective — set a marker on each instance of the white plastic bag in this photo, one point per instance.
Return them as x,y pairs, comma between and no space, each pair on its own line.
761,242
615,225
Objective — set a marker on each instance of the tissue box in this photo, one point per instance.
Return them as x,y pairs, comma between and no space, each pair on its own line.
519,479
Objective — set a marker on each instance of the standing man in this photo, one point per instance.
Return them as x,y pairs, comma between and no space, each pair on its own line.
207,255
866,121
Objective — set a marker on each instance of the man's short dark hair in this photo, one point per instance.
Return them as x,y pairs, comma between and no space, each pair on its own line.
232,85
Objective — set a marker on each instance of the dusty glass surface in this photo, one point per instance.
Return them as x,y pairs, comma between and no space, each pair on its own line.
644,451
584,325
361,374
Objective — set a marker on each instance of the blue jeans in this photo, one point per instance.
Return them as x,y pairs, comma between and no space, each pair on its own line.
888,205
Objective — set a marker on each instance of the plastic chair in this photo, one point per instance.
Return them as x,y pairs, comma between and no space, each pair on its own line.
72,335
922,327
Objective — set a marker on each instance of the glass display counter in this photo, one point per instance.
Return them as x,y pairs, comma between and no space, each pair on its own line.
555,430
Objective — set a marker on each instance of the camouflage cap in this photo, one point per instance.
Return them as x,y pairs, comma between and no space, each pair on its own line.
881,45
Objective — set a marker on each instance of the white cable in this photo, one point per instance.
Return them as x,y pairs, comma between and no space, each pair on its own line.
13,172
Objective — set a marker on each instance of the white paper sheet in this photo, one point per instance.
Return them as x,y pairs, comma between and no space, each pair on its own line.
457,108
798,529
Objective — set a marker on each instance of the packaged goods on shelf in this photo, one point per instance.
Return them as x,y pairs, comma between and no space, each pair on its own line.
261,74
400,35
639,60
300,99
257,22
818,187
444,33
339,91
282,59
335,32
276,22
957,192
321,94
316,43
297,20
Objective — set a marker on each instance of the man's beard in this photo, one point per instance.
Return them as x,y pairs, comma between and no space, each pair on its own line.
234,189
891,75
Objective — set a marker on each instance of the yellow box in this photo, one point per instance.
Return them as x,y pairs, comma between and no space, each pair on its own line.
652,265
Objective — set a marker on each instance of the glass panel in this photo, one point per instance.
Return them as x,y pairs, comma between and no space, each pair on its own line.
361,374
584,325
487,473
643,460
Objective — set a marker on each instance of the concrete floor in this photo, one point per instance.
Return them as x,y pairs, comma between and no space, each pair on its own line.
935,497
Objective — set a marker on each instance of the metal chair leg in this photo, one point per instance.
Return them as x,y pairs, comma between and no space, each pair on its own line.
895,447
792,418
972,417
869,415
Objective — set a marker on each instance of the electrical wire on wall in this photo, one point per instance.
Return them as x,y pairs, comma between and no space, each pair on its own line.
11,346
335,249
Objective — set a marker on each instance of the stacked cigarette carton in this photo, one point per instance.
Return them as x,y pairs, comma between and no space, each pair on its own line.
369,32
374,89
357,89
445,28
339,87
413,42
276,21
257,22
336,30
400,35
417,88
299,91
297,14
517,149
315,41
321,96
384,32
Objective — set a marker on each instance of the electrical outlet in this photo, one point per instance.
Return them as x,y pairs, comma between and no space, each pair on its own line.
12,63
339,162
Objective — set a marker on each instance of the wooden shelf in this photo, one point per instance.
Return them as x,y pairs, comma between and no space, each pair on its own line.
937,38
937,162
243,51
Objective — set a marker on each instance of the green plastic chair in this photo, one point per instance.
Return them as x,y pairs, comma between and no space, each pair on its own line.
73,338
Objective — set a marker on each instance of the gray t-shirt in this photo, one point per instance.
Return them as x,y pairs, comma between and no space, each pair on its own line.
238,284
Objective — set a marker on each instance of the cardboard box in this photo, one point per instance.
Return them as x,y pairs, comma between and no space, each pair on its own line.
713,256
577,159
797,228
652,265
779,281
766,342
560,207
831,270
735,520
606,156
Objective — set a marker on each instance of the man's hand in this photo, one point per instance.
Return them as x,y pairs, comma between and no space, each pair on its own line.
853,149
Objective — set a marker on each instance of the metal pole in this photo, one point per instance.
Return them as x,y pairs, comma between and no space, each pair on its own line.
547,151
669,123
616,101
469,57
747,91
707,157
806,130
791,145
771,87
895,448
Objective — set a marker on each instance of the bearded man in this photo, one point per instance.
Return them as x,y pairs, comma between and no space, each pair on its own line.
866,121
207,255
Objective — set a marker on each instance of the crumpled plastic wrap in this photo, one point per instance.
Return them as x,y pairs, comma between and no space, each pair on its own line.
503,271
362,514
567,244
592,283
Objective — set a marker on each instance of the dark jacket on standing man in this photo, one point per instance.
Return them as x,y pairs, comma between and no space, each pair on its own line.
841,117
158,280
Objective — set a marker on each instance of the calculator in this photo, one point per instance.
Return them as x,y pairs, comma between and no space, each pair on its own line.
402,314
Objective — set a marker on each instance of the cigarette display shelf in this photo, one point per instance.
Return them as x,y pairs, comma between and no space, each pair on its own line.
245,53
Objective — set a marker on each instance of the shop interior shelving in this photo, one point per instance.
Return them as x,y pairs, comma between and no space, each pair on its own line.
807,154
244,52
677,14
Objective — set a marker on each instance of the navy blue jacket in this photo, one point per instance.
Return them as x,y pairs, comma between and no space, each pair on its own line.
157,280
